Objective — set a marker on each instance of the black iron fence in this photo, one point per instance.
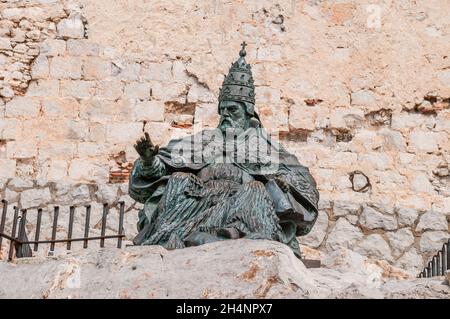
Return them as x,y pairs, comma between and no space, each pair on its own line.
20,245
439,264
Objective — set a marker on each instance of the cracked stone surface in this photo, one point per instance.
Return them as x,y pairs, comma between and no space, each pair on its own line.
231,269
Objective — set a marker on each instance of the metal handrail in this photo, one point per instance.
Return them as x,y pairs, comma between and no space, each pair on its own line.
21,245
438,264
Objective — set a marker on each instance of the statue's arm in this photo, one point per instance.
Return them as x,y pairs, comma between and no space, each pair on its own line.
149,165
301,197
152,170
143,181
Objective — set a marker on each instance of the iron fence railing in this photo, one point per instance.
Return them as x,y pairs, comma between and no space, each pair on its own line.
21,245
439,264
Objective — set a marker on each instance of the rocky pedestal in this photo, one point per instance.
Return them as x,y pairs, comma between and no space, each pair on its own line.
231,269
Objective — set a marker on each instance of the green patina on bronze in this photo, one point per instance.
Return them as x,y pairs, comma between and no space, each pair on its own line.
198,190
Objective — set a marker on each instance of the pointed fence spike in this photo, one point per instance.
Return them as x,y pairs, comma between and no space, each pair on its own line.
13,233
54,227
86,226
38,229
105,214
121,215
3,220
70,229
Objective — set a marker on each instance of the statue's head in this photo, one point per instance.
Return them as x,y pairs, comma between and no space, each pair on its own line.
237,96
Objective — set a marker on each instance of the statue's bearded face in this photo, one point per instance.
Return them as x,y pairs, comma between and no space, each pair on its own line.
233,116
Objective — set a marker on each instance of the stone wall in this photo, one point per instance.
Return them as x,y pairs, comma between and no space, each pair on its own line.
358,90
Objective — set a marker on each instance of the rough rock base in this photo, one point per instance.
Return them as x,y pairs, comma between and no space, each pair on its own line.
230,269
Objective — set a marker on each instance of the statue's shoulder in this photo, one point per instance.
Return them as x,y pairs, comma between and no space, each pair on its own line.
198,139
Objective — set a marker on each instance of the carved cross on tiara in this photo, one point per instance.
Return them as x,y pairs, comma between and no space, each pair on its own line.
242,52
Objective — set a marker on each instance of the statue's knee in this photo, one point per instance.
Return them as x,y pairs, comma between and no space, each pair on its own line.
181,176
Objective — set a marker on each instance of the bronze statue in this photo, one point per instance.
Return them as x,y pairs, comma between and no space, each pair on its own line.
227,183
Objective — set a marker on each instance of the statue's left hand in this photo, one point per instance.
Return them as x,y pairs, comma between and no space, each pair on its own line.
146,149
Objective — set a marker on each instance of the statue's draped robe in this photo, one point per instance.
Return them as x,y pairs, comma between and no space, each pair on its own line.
196,188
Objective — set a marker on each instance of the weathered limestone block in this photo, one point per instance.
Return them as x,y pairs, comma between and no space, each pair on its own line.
109,89
340,160
82,47
77,89
66,68
149,111
157,71
432,221
10,128
241,268
97,132
8,168
84,170
68,194
40,69
179,72
421,183
432,241
363,98
57,170
35,197
197,93
11,196
404,121
443,121
345,207
71,28
444,77
57,150
411,261
316,236
137,90
407,216
107,193
23,107
400,240
60,107
393,140
343,235
175,92
53,47
5,44
123,132
7,92
375,246
67,129
100,110
424,141
96,68
376,160
345,118
304,117
206,115
25,149
43,88
373,219
18,183
129,71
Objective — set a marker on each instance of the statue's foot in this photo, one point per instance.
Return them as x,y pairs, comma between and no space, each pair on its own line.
229,232
174,242
200,238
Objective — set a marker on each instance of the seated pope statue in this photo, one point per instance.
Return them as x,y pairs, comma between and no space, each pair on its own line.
225,183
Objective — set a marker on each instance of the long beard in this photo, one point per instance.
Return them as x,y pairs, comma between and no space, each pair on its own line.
229,124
